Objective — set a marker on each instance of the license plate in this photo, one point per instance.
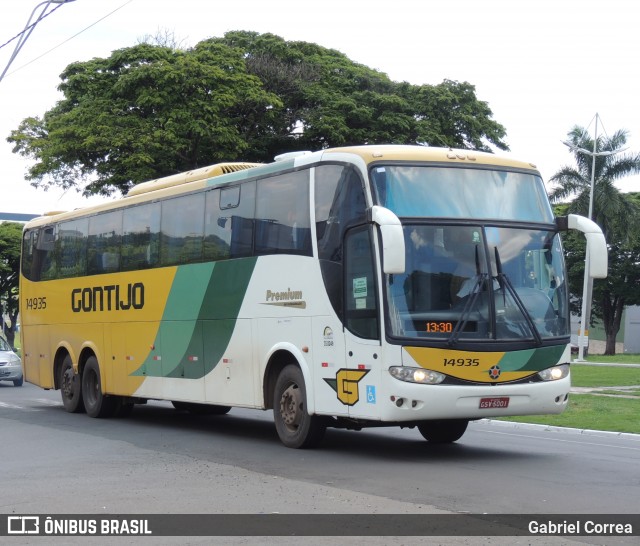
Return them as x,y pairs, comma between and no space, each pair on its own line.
489,403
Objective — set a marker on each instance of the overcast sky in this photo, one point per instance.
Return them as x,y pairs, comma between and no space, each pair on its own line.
543,66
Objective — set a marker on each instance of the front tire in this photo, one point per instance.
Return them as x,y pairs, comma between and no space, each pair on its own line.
446,431
18,382
295,427
96,403
70,387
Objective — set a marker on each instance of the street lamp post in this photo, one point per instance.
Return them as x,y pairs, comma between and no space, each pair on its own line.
30,26
587,287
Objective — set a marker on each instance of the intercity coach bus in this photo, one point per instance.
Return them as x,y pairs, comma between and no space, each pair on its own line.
350,287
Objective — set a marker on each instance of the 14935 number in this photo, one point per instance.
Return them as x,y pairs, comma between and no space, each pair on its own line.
36,304
462,362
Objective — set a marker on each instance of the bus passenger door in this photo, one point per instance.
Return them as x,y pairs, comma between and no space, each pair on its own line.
361,377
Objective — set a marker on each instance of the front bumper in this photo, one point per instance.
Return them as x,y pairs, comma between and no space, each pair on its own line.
415,402
11,371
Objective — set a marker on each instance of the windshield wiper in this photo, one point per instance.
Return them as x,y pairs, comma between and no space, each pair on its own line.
505,283
473,296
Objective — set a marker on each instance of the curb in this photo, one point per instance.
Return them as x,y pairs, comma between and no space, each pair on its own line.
551,428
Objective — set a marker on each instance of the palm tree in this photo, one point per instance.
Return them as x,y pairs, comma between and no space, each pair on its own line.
615,212
612,209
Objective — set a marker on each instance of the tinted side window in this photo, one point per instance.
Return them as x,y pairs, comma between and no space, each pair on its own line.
182,229
105,236
217,229
140,237
361,313
28,265
282,215
339,203
71,248
240,221
46,267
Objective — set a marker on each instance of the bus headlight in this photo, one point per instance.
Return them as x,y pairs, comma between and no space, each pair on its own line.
416,375
555,373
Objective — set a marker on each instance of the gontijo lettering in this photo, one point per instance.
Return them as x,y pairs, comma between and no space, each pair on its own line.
111,297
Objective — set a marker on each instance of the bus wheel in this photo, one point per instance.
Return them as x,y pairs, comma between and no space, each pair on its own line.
69,382
201,409
95,402
443,432
295,427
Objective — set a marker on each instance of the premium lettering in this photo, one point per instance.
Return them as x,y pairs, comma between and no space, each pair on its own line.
112,297
284,296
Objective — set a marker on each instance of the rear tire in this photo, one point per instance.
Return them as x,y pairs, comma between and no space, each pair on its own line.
295,427
96,403
70,387
446,431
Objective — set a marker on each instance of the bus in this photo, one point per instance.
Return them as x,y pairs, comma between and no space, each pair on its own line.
351,287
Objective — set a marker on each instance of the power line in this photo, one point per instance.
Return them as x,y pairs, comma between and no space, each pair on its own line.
24,35
30,26
70,38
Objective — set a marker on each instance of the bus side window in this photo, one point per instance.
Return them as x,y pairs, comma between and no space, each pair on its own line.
181,230
71,248
361,312
105,236
339,203
37,250
282,215
46,262
240,216
140,237
217,228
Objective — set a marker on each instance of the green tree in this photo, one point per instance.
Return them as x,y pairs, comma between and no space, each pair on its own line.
617,213
10,241
149,110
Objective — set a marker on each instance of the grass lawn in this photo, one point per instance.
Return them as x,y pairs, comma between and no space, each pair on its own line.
583,375
588,411
622,358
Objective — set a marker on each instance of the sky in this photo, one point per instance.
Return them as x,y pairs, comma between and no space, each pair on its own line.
542,66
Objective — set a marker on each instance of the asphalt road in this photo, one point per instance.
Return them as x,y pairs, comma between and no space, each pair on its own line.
159,460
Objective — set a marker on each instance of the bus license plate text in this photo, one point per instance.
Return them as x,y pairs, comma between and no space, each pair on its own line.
489,403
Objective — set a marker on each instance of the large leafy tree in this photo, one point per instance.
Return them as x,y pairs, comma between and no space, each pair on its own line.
10,240
152,110
617,213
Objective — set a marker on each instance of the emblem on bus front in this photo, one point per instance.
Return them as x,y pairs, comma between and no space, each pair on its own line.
346,385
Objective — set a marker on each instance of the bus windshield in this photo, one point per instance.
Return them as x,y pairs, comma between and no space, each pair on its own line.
446,192
478,282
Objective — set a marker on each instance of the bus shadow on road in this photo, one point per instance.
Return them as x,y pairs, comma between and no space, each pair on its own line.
382,444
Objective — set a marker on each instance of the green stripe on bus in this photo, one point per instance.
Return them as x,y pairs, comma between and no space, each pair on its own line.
199,318
532,360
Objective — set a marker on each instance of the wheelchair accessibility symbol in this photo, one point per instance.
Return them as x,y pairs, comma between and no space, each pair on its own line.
371,394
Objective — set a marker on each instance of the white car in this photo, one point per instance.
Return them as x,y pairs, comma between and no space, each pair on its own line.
10,365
